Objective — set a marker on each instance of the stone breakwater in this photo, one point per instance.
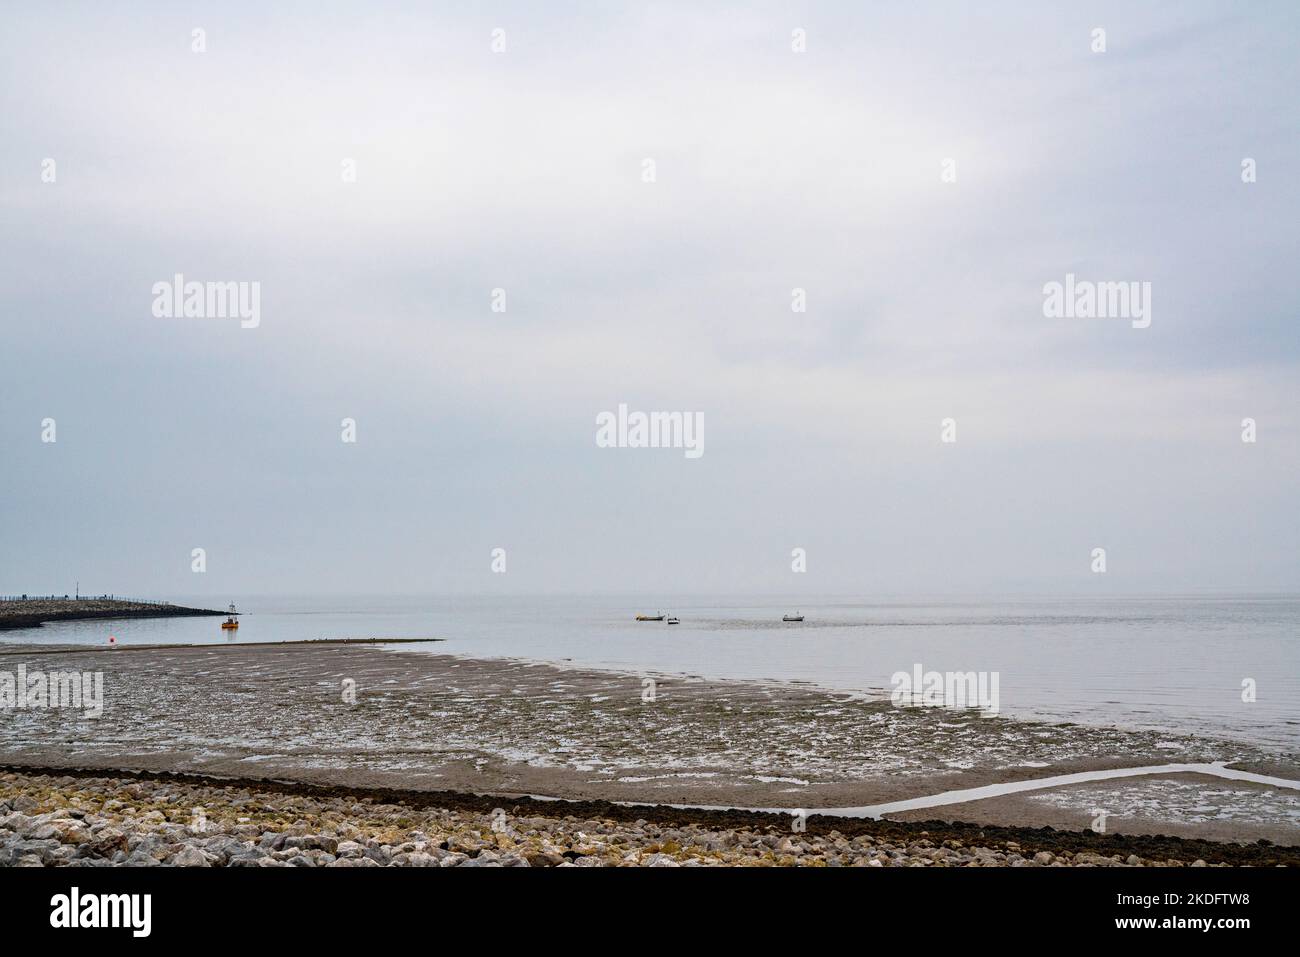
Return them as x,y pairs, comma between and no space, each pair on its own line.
33,612
94,821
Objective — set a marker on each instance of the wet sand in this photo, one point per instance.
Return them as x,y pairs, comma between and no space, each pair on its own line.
428,721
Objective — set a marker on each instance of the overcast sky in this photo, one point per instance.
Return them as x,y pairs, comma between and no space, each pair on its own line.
774,170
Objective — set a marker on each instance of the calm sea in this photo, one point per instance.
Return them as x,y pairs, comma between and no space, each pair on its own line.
1175,663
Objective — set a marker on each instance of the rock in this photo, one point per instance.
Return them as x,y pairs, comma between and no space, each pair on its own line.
189,856
653,860
105,843
464,844
1044,858
421,859
546,857
349,849
313,842
222,848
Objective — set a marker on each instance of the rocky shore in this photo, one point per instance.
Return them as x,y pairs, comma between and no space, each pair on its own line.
93,820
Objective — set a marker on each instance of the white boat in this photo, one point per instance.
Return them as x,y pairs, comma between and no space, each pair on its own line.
674,620
792,618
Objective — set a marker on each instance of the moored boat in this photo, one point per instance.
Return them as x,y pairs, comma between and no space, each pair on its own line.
658,617
792,618
230,624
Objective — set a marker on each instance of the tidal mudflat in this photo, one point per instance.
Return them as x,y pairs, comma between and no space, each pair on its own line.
366,715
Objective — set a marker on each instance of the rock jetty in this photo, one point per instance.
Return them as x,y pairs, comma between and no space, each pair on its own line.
25,612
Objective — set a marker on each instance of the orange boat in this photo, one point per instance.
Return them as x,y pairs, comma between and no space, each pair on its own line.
230,624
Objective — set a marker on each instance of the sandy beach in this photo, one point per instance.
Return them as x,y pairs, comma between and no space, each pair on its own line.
388,717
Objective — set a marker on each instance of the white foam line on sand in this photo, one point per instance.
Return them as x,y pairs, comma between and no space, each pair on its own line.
1060,780
1218,770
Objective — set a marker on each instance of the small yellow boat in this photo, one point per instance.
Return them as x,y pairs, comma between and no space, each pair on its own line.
230,624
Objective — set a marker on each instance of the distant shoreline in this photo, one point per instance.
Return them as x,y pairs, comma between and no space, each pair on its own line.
34,612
